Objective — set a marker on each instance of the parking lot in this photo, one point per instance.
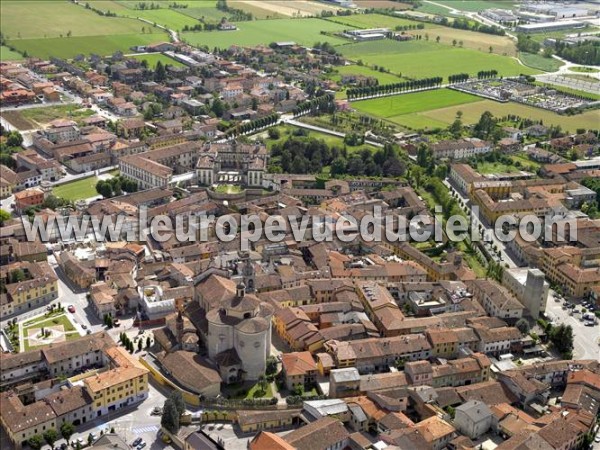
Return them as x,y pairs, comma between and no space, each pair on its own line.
586,338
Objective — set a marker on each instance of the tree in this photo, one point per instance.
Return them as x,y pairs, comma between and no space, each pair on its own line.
14,139
160,74
36,441
271,368
437,39
217,107
51,436
262,383
491,49
148,342
90,439
177,399
170,417
523,326
66,430
4,216
562,338
139,346
104,188
454,42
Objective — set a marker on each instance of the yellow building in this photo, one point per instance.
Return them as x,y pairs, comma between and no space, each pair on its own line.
124,383
28,285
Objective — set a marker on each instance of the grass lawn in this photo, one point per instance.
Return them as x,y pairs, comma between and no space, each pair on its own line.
50,19
384,78
77,190
435,10
301,31
101,45
6,54
332,141
228,189
374,21
540,62
487,167
583,69
420,59
53,321
473,111
154,58
396,105
246,390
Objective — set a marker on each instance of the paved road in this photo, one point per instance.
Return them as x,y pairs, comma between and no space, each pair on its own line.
505,258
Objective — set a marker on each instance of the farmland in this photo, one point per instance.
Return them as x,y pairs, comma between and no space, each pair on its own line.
476,5
6,54
51,19
372,21
154,58
101,45
390,107
35,117
168,18
302,31
282,8
501,45
473,111
419,59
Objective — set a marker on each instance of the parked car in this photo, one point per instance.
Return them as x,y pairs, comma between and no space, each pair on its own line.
84,326
71,309
136,442
141,446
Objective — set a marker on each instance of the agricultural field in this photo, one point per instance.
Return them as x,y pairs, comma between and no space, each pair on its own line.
403,109
169,18
476,5
373,21
6,54
53,19
396,105
540,62
282,8
473,111
382,4
101,45
384,78
154,58
301,31
77,190
435,10
501,45
420,59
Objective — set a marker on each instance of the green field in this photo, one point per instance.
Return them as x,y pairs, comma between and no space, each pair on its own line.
51,19
6,54
101,45
540,62
169,18
154,58
472,112
333,141
583,69
301,31
372,21
430,8
397,105
384,78
77,190
419,59
476,5
68,328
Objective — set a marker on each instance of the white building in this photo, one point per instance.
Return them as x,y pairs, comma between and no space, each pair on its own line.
473,418
529,287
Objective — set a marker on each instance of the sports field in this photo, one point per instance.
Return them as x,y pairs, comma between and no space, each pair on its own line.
52,19
419,59
154,58
472,112
301,31
6,54
77,190
101,45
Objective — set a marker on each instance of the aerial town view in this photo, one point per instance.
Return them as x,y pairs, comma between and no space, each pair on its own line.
300,224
